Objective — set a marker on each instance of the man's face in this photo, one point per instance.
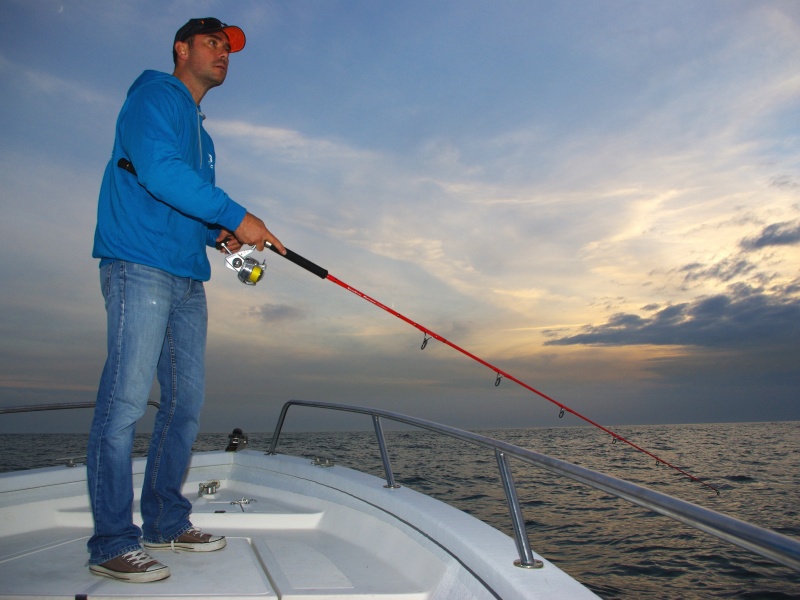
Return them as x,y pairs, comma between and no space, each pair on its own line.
208,57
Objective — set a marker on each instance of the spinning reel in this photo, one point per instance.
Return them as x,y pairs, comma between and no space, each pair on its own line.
249,269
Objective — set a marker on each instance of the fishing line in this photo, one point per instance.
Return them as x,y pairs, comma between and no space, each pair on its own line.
429,334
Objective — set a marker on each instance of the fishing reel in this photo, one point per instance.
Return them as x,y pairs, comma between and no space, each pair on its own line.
250,271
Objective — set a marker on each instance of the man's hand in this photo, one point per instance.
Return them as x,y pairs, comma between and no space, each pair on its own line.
253,231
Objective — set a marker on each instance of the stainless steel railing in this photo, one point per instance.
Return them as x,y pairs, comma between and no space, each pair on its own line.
779,548
57,406
70,461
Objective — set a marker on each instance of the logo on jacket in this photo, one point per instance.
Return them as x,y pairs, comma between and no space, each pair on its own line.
210,162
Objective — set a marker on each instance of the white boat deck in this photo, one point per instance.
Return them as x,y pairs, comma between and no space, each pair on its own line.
303,532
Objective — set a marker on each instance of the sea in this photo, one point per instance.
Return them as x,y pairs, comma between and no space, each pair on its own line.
616,549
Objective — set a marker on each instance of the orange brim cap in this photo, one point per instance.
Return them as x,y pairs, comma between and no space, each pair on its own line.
235,37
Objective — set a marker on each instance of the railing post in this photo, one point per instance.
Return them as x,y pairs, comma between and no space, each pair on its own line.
278,427
387,465
526,560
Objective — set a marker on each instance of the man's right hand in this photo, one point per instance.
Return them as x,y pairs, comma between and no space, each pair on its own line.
253,231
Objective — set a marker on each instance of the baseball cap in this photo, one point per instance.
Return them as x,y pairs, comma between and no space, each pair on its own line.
212,25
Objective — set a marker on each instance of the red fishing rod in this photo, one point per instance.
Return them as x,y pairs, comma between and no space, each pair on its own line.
250,272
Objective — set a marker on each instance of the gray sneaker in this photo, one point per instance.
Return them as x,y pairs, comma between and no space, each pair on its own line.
192,540
136,567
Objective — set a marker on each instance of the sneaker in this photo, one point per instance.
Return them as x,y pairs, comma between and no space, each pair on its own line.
192,540
136,567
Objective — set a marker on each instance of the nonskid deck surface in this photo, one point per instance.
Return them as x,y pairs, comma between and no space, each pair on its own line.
278,538
288,537
57,568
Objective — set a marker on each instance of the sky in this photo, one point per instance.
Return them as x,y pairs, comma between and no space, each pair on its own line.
600,198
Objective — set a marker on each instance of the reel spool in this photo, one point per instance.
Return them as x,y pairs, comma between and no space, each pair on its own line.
249,270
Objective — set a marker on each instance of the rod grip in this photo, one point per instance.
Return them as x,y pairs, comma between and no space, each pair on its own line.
301,262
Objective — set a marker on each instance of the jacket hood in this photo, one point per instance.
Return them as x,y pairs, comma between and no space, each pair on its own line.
151,76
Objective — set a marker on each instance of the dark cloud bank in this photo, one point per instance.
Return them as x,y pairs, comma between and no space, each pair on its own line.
743,316
777,234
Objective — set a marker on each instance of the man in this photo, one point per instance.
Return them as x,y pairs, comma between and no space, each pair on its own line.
156,216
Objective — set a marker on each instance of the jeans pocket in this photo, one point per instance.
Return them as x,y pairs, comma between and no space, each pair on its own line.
105,279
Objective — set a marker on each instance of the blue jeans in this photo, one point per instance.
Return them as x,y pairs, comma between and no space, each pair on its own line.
156,327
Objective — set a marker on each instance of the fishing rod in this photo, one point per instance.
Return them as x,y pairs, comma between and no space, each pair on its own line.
251,271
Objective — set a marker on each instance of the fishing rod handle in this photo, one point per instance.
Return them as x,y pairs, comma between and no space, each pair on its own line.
301,262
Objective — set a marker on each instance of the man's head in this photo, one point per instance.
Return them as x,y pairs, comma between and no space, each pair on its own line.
206,26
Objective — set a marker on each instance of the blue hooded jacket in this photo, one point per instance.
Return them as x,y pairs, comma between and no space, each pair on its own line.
170,211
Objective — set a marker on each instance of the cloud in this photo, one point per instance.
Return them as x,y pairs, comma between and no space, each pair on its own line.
785,182
724,270
743,317
272,313
737,266
288,144
777,234
48,84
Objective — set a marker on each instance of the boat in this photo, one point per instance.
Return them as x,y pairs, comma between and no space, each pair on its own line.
301,529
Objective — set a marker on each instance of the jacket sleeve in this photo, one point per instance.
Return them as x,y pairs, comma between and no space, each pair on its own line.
165,153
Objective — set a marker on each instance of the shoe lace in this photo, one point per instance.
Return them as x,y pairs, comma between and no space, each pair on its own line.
191,531
138,558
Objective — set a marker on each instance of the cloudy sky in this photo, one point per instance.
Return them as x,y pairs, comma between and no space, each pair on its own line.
600,198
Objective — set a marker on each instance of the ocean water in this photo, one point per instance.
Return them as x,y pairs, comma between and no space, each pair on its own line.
615,548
